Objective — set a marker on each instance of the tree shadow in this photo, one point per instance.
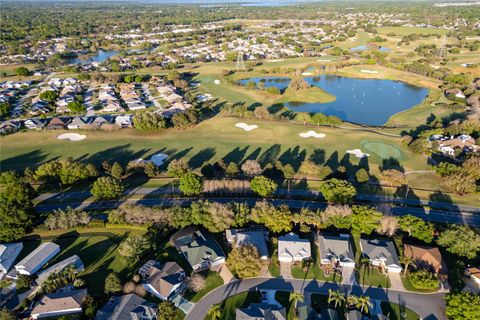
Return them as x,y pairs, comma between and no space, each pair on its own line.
236,155
332,161
294,157
201,157
122,154
20,162
391,163
254,155
317,156
270,155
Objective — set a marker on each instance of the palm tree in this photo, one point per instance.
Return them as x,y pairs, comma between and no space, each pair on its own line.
336,296
407,261
352,300
295,297
215,312
363,303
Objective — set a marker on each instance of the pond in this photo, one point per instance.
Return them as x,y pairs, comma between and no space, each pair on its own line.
363,101
100,56
364,47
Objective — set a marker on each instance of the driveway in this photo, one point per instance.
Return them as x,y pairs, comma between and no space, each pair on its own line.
286,270
428,306
348,279
396,281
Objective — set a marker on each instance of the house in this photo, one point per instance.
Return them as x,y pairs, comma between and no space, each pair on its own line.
293,249
73,261
124,121
35,123
100,121
59,304
37,258
261,311
256,237
57,123
163,281
463,142
127,307
8,253
381,253
9,126
426,257
336,249
473,274
79,123
199,248
456,92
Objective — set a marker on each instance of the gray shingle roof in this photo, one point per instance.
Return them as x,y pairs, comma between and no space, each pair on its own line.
380,249
337,247
74,261
8,253
261,311
252,237
38,257
126,307
61,301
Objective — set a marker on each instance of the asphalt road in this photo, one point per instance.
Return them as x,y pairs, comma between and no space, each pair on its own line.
457,217
427,306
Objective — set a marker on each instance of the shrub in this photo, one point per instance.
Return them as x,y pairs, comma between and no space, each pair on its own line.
107,188
190,184
423,279
263,186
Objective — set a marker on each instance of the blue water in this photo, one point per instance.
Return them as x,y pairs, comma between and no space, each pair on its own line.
100,56
364,101
363,47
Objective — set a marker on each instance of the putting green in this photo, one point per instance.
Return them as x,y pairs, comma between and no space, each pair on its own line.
382,149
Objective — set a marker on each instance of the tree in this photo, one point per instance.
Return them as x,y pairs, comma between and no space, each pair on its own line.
392,177
338,216
232,170
472,167
6,314
260,113
117,170
251,168
112,283
215,312
107,188
462,305
48,95
416,227
365,219
295,297
461,241
190,184
150,169
363,303
338,191
461,183
196,282
263,186
362,175
277,219
244,261
423,279
24,282
304,118
446,169
76,107
148,121
4,109
166,311
407,262
177,168
16,207
388,225
133,247
217,217
336,296
181,121
298,83
22,71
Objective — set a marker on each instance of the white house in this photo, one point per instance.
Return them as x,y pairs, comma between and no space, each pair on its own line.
37,258
59,304
8,253
293,249
336,249
163,281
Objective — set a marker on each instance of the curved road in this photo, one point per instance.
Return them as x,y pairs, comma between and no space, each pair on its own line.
427,306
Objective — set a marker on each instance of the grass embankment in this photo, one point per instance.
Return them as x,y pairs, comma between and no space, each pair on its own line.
96,247
403,31
310,95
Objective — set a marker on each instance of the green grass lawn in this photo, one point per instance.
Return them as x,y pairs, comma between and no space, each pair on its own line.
312,94
274,266
372,277
393,311
97,248
402,31
213,280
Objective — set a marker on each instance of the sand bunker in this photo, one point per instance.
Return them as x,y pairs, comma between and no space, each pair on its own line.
358,153
275,60
307,73
216,81
159,158
71,136
324,60
246,127
312,134
369,71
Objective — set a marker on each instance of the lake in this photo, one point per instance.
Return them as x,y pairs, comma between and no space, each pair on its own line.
363,101
100,56
364,47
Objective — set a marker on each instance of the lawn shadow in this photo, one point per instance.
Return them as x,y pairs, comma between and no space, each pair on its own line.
20,162
201,157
